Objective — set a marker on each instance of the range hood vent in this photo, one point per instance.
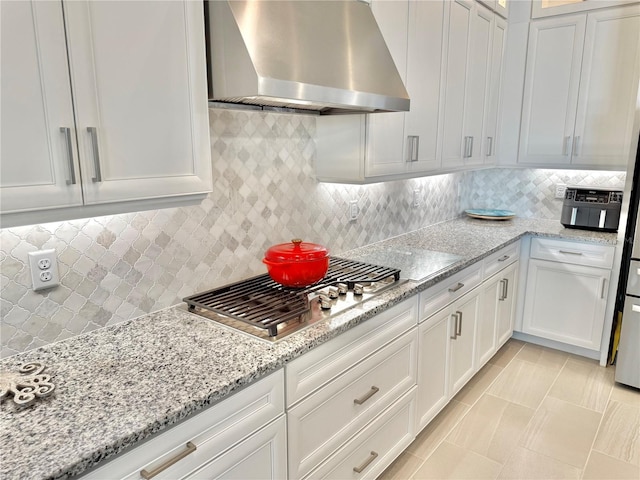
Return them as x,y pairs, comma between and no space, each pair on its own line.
324,56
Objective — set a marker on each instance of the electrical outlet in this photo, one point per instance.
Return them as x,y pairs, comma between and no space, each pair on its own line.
561,189
354,210
44,269
416,198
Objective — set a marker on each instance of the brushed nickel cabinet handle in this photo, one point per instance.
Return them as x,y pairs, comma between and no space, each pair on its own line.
502,296
414,146
459,331
367,396
72,169
565,144
455,326
456,288
504,258
144,473
372,456
93,131
471,148
489,146
604,282
567,252
576,145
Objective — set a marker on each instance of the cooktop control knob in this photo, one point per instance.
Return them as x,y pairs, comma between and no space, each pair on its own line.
333,292
343,288
325,302
358,289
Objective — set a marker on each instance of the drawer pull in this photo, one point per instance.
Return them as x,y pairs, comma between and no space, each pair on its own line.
147,475
567,252
456,288
367,396
504,258
372,456
459,330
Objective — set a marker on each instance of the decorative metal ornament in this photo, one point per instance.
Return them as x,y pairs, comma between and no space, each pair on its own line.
27,385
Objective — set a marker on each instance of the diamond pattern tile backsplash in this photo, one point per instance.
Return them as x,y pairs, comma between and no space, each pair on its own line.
119,267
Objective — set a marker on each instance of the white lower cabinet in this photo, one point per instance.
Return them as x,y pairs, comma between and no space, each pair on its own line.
368,371
241,437
261,456
375,447
463,322
566,292
495,322
462,334
433,367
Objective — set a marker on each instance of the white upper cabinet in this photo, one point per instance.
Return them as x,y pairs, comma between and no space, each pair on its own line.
608,87
580,89
39,159
498,44
546,8
501,7
467,70
138,86
372,148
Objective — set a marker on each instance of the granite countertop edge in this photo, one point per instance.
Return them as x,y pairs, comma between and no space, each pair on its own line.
116,347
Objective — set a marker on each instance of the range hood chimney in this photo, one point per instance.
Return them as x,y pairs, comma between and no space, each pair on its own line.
326,56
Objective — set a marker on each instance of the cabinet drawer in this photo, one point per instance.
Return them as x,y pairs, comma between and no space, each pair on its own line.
576,253
321,365
501,259
373,449
212,432
261,456
329,417
449,290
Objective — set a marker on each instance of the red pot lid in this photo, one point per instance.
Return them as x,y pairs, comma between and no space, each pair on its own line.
296,251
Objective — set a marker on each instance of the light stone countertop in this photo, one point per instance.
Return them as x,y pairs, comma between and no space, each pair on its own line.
121,384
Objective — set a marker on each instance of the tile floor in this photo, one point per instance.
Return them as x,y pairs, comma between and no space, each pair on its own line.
531,413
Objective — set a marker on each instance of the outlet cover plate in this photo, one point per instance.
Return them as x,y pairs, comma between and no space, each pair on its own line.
44,269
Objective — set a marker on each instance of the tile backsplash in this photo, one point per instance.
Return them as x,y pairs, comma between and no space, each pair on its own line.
119,267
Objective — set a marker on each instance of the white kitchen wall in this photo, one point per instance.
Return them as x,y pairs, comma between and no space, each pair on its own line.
122,266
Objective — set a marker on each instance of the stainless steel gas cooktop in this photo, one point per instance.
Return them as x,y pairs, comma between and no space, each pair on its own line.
265,309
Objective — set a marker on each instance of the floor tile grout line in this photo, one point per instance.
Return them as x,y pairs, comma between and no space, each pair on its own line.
534,414
595,437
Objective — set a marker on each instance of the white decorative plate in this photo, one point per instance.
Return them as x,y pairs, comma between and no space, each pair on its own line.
490,214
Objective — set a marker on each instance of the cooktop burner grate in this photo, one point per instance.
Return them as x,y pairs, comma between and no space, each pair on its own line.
265,304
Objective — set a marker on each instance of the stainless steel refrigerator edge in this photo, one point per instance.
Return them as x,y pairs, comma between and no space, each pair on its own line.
627,358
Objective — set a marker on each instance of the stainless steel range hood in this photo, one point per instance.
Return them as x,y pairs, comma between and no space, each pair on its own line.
327,56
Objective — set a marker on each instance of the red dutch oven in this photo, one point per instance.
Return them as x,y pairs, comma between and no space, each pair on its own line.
297,263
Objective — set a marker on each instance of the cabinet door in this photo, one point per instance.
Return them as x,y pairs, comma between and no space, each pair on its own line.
502,8
462,341
459,20
492,291
477,82
565,302
608,88
425,33
489,139
261,456
551,90
506,304
386,130
139,81
433,355
39,167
